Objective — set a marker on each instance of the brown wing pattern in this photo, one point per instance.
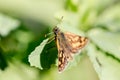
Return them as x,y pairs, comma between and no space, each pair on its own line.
75,42
63,54
62,61
67,43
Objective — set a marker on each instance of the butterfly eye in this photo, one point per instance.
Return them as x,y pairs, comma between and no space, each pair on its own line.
56,30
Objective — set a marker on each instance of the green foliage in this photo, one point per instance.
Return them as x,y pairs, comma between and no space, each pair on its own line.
104,64
34,57
23,43
7,24
3,63
106,41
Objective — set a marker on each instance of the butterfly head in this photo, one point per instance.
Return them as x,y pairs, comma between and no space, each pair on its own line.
56,30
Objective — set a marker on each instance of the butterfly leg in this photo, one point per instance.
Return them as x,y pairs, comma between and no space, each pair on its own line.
51,39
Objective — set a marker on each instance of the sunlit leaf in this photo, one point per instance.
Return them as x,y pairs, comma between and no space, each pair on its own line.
19,71
107,41
110,18
34,57
106,66
7,24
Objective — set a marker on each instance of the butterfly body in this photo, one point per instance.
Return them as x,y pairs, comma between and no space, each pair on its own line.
67,44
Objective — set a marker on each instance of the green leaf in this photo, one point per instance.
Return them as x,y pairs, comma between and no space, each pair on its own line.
43,56
34,57
48,55
106,66
3,62
65,27
107,41
110,18
19,71
7,24
71,5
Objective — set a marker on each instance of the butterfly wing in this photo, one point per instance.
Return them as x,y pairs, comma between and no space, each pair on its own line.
63,53
67,43
75,42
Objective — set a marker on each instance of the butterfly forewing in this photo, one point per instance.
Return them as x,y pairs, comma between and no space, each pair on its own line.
75,42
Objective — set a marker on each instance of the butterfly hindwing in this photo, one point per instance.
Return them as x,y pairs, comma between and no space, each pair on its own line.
63,54
62,61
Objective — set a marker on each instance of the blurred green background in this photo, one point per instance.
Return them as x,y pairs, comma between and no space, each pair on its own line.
24,24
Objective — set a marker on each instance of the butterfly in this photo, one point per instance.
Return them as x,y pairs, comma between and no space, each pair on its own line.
68,44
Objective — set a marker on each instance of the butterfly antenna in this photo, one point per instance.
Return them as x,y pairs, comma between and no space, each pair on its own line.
61,20
46,35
